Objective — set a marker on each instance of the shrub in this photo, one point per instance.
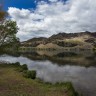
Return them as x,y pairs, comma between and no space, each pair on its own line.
17,64
24,67
30,74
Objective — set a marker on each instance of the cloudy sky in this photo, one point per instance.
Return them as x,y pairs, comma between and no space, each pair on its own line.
44,18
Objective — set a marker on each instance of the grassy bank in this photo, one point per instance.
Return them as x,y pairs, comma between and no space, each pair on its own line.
13,83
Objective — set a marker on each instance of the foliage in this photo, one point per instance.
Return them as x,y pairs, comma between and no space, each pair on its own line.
30,74
8,31
17,64
24,67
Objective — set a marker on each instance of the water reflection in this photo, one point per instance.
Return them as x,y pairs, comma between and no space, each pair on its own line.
87,58
62,66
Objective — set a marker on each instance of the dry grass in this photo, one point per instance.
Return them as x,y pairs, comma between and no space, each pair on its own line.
12,83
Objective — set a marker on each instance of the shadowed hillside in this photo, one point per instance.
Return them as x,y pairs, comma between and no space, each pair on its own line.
83,40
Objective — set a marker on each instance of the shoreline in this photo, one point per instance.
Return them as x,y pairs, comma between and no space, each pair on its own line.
14,83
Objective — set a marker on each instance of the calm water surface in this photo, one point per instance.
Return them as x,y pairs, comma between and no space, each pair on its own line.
79,68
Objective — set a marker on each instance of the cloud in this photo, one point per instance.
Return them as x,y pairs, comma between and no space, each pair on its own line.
55,17
53,0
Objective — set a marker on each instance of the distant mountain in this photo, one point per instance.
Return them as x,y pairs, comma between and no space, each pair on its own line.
85,40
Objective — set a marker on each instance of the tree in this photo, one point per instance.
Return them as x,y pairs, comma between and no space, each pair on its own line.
8,30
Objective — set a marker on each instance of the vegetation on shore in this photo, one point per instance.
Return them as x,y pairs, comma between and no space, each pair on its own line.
13,83
8,30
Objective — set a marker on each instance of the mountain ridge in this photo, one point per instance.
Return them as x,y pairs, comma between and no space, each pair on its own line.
85,39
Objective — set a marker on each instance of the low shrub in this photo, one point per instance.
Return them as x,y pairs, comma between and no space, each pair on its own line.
24,67
30,74
17,64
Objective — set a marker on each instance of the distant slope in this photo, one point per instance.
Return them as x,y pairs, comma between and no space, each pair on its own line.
63,40
48,45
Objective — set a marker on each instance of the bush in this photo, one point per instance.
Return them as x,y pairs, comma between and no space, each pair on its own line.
24,67
30,74
17,64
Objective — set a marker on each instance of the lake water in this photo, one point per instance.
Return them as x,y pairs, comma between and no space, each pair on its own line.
52,66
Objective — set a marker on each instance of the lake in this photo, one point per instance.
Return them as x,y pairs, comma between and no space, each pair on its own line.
53,66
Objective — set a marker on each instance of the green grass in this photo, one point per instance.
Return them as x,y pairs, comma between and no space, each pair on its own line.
13,83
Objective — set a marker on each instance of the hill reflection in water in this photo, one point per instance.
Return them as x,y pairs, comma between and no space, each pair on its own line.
81,58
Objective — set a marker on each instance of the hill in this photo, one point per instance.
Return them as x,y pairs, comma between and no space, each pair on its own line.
83,40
